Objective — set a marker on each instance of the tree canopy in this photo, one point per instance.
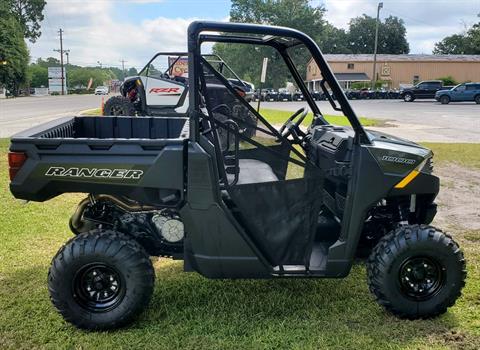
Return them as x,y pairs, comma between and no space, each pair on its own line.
467,43
391,35
310,19
14,52
77,76
29,13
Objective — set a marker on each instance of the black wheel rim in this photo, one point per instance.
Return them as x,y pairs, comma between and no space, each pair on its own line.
421,277
116,110
98,287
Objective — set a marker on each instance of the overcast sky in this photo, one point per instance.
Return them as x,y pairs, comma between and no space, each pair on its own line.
107,31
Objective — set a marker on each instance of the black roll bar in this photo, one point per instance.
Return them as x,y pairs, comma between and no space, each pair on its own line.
194,43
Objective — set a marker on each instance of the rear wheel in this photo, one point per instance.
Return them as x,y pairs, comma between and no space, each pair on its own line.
119,106
416,272
100,280
477,99
444,100
408,97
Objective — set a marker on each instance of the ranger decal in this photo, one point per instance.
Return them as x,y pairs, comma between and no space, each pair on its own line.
94,172
399,160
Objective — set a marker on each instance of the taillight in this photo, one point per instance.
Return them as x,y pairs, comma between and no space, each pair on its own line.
15,162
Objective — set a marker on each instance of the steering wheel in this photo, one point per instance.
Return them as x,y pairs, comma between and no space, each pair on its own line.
293,128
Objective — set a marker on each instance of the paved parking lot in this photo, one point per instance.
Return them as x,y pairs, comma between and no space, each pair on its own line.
24,112
425,120
418,121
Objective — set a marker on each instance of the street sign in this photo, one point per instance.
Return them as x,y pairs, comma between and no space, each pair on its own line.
55,72
55,85
264,70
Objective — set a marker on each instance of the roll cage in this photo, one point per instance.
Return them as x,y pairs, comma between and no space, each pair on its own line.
212,58
279,38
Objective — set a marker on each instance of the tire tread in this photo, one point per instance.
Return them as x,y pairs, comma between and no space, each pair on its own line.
377,265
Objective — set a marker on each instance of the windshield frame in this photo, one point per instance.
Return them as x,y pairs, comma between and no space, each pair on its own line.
280,38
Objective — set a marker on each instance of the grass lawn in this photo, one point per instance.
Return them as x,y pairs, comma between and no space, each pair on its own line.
278,117
190,312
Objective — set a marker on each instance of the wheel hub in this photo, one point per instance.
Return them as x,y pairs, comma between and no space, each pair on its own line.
421,277
98,287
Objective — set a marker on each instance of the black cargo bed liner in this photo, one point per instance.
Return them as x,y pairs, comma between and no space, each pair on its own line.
110,128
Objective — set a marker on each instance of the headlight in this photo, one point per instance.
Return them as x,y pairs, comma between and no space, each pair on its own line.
426,166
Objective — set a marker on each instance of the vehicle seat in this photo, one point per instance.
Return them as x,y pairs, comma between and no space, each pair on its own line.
253,171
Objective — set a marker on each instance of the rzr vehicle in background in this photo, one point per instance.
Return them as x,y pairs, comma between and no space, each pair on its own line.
160,92
286,202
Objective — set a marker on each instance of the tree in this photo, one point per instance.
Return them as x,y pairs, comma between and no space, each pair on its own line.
37,75
455,44
29,14
78,77
448,80
298,14
14,51
391,35
48,62
335,40
132,72
467,43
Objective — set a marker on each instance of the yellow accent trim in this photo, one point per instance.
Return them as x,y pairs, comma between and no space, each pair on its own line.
407,179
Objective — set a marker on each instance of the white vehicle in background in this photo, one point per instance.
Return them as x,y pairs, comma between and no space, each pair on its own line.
101,90
161,87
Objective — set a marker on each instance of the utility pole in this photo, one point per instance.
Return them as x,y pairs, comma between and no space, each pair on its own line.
374,75
123,67
62,51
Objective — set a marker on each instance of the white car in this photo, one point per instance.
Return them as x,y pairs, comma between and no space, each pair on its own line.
101,90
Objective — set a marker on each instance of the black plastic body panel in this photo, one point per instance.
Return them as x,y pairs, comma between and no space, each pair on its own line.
80,155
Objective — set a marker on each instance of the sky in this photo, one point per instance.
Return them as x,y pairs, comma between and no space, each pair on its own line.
107,31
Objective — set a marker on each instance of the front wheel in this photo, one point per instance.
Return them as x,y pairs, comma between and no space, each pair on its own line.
416,272
119,106
477,99
100,280
408,97
444,100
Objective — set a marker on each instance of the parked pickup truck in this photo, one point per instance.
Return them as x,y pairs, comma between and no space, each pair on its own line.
425,89
461,92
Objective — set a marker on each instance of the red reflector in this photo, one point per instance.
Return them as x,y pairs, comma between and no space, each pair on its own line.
16,159
15,162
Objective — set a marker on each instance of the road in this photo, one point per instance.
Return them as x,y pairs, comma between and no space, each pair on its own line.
418,121
22,113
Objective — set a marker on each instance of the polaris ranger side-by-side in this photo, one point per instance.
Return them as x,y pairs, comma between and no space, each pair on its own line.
275,203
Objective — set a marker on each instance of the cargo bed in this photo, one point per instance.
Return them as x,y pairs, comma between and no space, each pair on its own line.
139,157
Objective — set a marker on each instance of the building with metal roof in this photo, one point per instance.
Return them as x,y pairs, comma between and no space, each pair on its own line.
395,71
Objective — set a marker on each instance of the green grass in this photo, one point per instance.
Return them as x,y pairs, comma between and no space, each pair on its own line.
465,154
278,117
92,112
190,312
